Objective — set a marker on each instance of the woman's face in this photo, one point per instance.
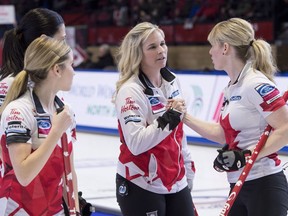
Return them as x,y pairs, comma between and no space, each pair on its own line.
216,51
154,52
61,33
67,73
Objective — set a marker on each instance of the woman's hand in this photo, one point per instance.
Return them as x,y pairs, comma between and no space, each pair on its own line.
63,119
177,104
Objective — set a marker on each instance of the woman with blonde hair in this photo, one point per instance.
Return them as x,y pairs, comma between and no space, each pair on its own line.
31,130
33,24
155,171
251,102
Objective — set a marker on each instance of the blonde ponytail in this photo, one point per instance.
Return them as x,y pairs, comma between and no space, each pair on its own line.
18,88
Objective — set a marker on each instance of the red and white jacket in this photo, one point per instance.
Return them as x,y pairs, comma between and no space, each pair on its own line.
25,121
246,105
153,154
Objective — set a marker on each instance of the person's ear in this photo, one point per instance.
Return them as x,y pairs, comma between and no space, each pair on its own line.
225,48
56,70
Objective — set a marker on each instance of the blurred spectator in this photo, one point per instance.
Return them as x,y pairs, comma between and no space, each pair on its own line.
194,8
120,13
104,61
281,19
246,9
87,63
165,14
228,10
140,11
203,11
105,58
161,12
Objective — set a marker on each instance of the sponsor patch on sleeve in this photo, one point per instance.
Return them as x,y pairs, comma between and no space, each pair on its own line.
3,91
132,118
271,96
16,132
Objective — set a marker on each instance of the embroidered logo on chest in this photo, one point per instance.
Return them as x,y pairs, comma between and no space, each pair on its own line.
156,105
44,126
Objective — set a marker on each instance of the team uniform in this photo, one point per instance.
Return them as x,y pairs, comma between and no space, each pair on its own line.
25,121
4,86
154,154
247,103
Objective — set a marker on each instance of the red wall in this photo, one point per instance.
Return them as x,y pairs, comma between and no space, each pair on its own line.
175,34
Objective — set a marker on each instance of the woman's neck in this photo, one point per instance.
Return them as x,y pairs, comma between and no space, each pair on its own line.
234,71
154,77
46,97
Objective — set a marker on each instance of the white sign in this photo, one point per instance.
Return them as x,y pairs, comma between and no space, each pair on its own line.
7,14
92,91
90,98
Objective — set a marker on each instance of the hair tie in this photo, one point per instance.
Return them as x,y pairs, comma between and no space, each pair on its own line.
251,43
30,83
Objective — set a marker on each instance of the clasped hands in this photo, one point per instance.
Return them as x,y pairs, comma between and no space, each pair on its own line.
177,104
226,160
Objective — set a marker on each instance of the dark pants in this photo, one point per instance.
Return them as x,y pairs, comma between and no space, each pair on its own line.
266,196
135,201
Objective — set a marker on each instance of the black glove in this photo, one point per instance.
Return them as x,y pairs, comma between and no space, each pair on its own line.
230,160
170,117
85,208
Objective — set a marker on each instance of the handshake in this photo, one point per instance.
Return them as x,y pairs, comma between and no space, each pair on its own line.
230,160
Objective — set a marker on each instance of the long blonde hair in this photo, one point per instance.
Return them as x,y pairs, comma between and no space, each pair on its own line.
41,55
130,52
240,34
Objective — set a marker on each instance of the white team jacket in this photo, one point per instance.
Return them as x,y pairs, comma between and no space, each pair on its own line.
154,153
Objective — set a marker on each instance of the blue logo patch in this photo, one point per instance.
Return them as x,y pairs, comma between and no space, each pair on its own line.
175,93
265,89
235,98
156,105
154,100
43,124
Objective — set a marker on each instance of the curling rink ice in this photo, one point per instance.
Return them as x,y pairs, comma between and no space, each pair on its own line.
95,161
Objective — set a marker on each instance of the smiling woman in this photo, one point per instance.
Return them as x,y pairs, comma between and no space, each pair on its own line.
153,142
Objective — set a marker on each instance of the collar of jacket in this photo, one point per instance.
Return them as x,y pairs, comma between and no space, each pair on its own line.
166,74
39,107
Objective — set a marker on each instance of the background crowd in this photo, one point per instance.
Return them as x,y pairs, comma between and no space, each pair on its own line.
88,15
131,12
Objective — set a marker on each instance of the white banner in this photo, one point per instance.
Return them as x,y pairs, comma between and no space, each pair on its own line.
7,15
92,91
90,98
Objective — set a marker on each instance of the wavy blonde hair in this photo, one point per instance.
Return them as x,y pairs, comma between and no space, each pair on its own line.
130,53
240,34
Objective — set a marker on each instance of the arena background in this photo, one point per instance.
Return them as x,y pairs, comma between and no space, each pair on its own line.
186,23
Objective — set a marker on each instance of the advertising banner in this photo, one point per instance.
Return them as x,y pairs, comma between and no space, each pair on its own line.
92,92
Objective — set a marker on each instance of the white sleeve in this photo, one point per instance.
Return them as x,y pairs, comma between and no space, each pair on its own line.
133,109
17,123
